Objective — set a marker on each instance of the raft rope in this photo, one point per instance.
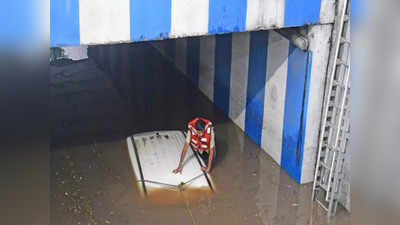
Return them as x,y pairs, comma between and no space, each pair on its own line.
180,188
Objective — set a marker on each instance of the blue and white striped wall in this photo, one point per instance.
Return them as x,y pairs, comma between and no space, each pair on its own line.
268,87
75,22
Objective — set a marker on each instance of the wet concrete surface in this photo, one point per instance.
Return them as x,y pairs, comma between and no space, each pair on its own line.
126,89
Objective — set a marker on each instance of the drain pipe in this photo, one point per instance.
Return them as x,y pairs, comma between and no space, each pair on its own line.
295,38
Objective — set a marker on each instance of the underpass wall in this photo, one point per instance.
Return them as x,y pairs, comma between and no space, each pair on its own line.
271,89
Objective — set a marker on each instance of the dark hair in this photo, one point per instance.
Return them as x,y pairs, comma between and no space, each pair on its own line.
200,125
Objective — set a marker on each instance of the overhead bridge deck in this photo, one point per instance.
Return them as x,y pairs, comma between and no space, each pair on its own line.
83,22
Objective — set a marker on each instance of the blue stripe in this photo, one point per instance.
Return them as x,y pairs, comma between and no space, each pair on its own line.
193,59
227,16
222,77
64,22
301,12
296,104
150,19
256,85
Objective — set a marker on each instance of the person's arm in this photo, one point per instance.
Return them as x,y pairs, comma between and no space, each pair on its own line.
210,160
183,154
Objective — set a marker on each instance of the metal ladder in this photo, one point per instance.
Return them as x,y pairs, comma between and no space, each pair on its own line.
335,126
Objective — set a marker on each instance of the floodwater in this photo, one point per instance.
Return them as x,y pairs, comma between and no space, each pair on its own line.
169,196
126,89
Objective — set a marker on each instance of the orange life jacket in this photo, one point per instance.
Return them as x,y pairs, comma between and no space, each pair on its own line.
200,143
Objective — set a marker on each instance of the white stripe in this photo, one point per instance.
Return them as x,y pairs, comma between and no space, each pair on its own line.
104,21
277,62
189,17
265,14
327,12
239,71
253,17
206,68
180,55
274,13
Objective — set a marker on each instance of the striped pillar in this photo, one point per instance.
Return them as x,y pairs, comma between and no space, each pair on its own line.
262,82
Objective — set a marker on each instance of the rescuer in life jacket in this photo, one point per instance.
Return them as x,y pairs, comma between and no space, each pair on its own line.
200,136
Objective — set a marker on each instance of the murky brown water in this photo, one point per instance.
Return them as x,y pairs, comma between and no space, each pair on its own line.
169,196
148,94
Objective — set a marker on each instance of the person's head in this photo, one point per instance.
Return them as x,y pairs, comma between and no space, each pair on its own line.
200,126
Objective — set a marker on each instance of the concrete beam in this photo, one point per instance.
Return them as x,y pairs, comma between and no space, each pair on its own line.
295,38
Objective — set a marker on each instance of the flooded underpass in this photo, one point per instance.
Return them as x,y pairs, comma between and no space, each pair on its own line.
126,89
